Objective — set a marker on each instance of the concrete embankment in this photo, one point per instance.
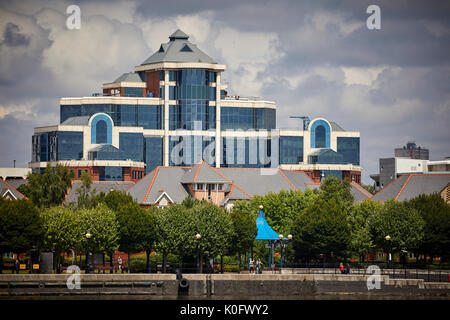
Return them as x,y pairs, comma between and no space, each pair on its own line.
213,286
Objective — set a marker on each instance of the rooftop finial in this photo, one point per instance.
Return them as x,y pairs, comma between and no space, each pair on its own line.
178,35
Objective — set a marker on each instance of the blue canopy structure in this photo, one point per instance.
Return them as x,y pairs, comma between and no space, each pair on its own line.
265,232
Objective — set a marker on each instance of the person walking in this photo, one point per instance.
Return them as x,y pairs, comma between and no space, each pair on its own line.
347,268
341,267
17,265
251,266
258,266
119,261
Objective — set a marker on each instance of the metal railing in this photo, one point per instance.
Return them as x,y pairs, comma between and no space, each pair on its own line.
429,273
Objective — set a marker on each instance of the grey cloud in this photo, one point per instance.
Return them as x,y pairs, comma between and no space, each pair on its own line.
12,36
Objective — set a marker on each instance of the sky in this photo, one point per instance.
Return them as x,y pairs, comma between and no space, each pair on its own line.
313,58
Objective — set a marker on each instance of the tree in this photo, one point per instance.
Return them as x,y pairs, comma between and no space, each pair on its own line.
85,195
369,188
321,228
360,239
280,209
136,229
63,229
244,233
215,227
176,231
335,188
436,214
102,224
20,226
403,224
169,223
50,188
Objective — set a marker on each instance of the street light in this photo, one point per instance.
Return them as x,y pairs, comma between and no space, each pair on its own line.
198,236
289,240
88,237
283,244
280,236
388,239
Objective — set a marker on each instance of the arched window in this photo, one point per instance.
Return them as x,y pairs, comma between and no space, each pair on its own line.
101,132
320,137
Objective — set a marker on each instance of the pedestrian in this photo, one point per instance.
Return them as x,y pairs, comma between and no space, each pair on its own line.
251,266
17,265
258,266
341,267
347,268
119,261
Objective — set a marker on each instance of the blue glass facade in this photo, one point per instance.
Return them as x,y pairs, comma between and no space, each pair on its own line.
188,150
124,115
320,134
327,156
291,149
150,117
54,146
190,114
70,145
107,152
132,144
192,93
110,173
336,173
101,130
247,118
133,92
246,153
349,149
153,153
69,111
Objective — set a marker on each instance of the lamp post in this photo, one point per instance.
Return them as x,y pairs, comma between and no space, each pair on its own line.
198,237
289,240
88,237
388,239
281,246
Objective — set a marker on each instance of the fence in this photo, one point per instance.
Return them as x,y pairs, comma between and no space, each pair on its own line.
429,273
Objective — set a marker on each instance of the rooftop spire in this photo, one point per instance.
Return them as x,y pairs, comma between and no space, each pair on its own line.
178,35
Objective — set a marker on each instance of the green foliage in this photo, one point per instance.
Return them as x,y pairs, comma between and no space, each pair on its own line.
215,227
322,228
403,224
136,226
85,195
245,231
370,188
20,226
190,202
280,209
177,226
335,188
115,199
436,214
167,227
360,239
63,229
48,189
102,224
